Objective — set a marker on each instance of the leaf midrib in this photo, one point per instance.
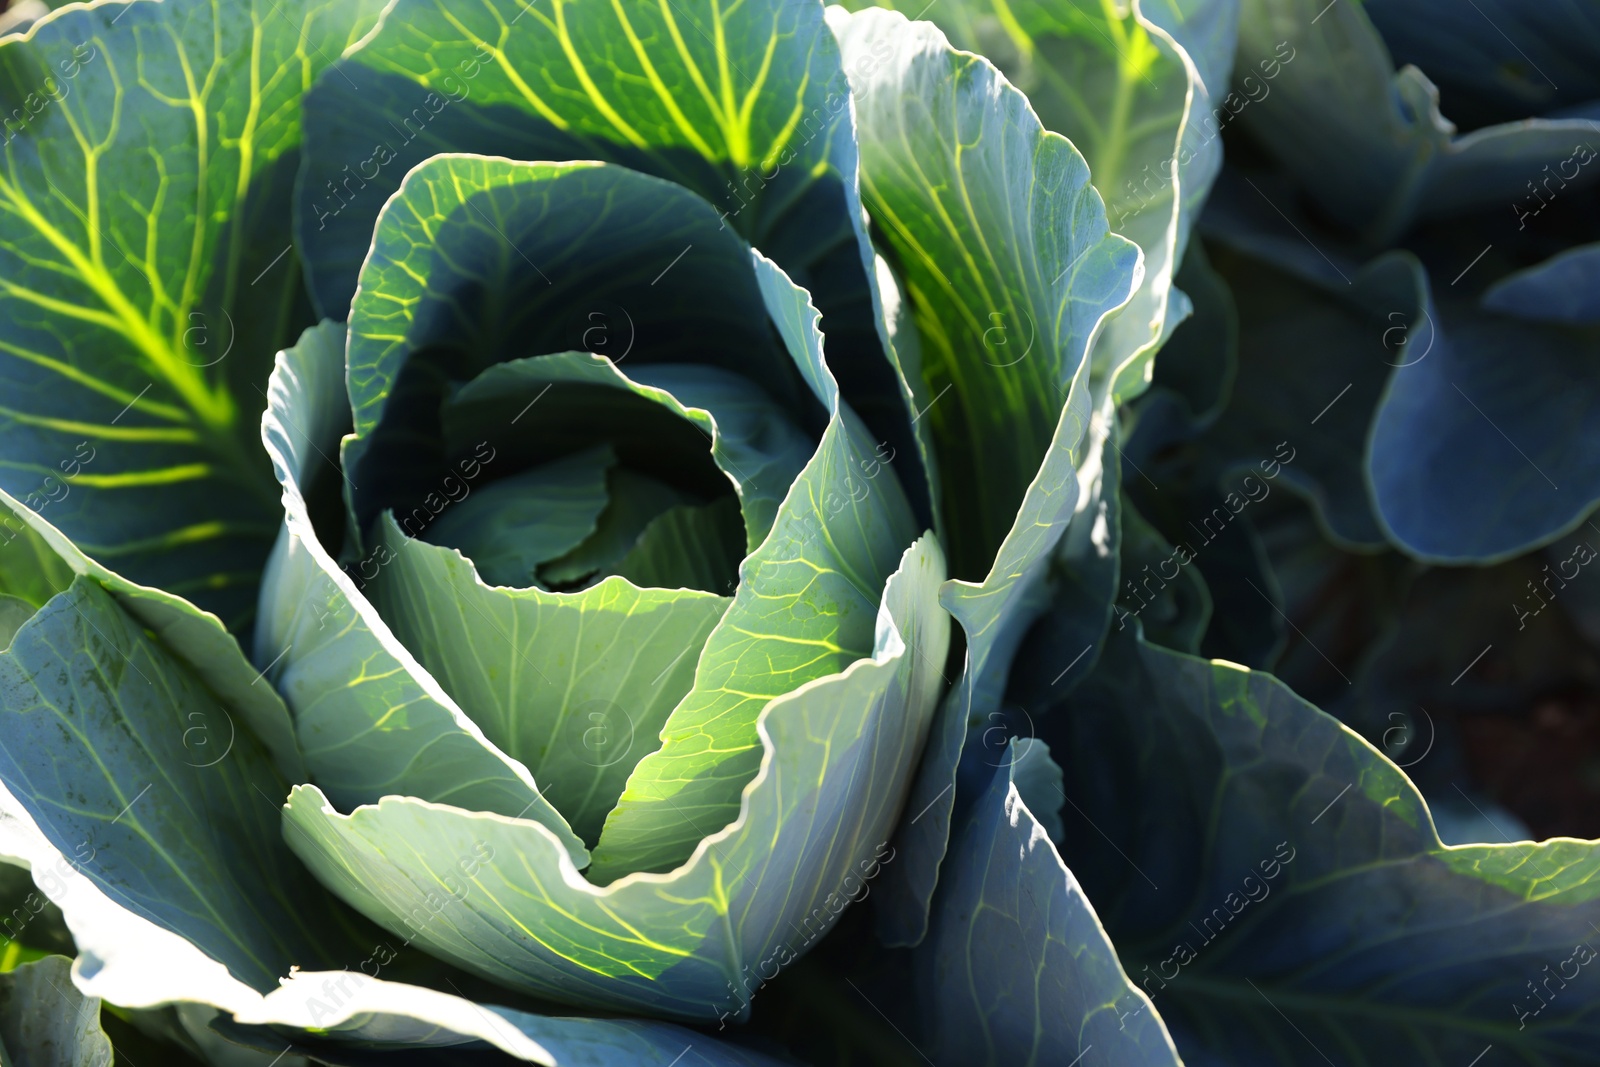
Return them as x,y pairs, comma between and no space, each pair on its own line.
214,411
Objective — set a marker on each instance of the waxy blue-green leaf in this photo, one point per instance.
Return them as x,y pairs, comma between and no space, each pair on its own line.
745,104
1369,143
14,611
1279,891
1467,453
369,718
337,1016
149,150
98,754
1472,456
331,1015
99,645
1038,782
1564,288
1007,228
46,1022
1016,968
813,825
1131,90
807,607
37,562
116,946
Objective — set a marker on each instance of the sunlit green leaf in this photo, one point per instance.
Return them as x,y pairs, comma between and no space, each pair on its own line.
147,275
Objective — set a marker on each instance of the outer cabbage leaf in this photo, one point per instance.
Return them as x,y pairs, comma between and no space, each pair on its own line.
46,1022
148,158
744,104
39,562
1198,38
119,755
1026,191
360,1014
1467,453
1471,456
391,728
1279,889
1369,143
1016,967
1132,90
1136,90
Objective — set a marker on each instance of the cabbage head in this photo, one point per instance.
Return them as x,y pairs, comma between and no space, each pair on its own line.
487,493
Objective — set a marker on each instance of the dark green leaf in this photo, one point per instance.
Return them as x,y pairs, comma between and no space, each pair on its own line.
144,195
1016,967
1279,890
